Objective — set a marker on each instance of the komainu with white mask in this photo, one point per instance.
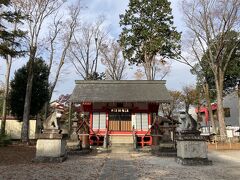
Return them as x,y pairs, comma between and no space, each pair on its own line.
52,122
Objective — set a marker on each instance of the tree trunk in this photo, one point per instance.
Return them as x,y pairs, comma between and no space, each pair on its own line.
148,68
198,110
207,96
220,109
187,108
52,87
27,103
57,76
45,107
6,91
238,93
38,125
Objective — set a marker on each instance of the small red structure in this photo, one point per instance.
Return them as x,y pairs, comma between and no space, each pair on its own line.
120,108
204,110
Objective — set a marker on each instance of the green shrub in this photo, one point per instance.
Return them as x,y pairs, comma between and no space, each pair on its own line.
5,140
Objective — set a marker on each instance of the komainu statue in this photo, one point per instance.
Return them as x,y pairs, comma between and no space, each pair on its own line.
52,122
187,123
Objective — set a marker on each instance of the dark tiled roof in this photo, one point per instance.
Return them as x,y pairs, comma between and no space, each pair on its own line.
120,91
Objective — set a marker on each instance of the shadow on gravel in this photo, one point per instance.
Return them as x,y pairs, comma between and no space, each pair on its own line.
17,154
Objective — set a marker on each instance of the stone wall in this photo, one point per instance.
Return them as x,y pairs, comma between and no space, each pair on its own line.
13,128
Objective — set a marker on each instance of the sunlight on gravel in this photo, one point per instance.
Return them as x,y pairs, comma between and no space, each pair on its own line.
15,163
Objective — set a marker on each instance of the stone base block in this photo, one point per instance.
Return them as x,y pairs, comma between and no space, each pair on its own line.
48,135
165,153
192,152
191,149
193,161
41,159
80,152
51,148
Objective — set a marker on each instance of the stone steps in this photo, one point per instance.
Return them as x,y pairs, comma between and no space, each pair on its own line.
121,144
121,139
166,145
119,148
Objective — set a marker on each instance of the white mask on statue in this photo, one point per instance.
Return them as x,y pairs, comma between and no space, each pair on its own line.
182,116
58,115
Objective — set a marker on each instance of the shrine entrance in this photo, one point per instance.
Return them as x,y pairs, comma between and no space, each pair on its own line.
120,121
120,111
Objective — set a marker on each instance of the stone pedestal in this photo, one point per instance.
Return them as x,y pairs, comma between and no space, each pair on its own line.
51,147
192,150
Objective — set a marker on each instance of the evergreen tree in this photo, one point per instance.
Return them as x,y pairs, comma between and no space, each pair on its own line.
10,46
10,38
148,31
40,91
96,76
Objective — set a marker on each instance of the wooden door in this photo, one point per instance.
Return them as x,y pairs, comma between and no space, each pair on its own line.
120,121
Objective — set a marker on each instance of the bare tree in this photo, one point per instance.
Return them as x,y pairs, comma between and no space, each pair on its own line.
85,48
176,104
6,92
189,59
209,22
197,70
1,96
139,74
61,35
113,60
38,11
155,69
189,95
209,106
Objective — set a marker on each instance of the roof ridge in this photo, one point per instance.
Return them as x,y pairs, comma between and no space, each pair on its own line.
120,82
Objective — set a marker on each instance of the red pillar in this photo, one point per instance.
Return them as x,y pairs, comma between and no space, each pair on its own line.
107,120
149,119
91,118
206,116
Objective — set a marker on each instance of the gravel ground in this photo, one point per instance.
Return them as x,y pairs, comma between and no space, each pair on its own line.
75,167
16,154
15,163
226,165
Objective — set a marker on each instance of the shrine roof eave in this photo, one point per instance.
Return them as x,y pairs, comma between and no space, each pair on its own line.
121,91
118,101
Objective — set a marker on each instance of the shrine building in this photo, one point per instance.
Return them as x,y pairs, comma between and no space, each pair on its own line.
120,108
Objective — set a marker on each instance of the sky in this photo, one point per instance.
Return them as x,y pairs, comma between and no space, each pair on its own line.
179,75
